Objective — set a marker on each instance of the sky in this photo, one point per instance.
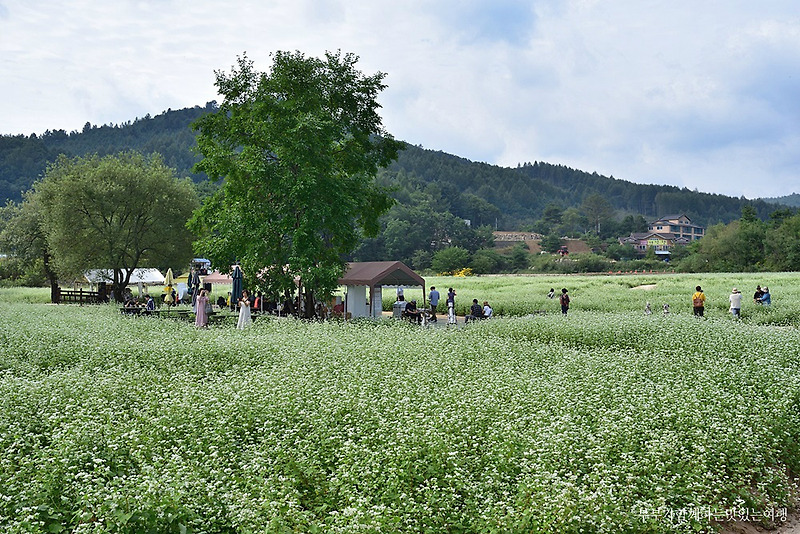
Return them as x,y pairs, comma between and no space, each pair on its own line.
698,94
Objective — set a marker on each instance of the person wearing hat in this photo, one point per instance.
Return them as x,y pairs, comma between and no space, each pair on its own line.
699,301
766,298
736,303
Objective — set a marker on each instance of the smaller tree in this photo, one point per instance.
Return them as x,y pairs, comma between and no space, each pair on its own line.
520,256
450,259
598,211
116,212
22,237
551,243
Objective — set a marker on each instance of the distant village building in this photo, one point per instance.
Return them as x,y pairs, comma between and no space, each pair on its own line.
664,234
678,225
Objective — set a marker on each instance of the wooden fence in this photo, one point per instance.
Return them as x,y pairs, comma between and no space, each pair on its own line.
67,296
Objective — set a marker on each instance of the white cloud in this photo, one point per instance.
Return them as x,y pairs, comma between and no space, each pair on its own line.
697,95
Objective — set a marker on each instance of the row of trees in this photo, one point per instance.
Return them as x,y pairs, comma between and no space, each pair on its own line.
749,244
114,212
298,148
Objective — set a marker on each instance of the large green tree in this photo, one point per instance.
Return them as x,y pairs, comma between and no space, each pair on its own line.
116,213
298,148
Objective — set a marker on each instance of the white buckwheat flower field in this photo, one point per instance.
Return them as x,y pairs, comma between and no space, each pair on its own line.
606,420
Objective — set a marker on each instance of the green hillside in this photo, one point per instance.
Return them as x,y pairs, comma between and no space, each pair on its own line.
503,198
792,200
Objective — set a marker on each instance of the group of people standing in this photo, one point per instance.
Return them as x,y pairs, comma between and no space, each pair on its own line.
410,310
762,297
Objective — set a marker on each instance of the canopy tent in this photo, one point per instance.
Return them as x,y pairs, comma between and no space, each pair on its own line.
139,277
217,277
373,275
147,276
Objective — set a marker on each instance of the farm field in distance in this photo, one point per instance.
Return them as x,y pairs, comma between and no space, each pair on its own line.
606,420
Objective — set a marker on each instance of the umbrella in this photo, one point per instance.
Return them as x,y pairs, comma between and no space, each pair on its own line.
236,292
169,279
195,279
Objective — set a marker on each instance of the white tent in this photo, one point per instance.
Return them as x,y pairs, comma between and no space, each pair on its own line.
139,277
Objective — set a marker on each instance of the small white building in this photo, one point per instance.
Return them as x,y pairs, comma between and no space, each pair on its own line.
373,275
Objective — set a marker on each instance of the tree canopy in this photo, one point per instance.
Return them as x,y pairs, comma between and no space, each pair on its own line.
298,147
114,212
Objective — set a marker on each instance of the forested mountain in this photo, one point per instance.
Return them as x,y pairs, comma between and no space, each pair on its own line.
24,158
789,200
504,198
518,196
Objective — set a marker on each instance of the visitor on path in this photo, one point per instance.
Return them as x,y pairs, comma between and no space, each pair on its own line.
151,303
475,312
451,306
766,298
666,309
433,298
699,302
552,293
244,311
647,309
758,294
736,303
201,313
399,292
487,310
564,300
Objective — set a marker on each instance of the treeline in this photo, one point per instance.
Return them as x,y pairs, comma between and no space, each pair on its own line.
23,159
442,201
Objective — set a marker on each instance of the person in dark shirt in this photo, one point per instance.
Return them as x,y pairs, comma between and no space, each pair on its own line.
564,300
412,312
475,312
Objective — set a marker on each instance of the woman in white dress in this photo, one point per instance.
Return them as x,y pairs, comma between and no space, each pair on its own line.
244,311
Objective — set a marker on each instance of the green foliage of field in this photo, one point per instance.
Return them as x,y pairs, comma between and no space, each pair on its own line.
602,421
523,295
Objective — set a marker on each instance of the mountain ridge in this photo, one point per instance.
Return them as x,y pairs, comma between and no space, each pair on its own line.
505,197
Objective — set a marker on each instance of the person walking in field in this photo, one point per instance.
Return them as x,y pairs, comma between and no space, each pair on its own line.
699,302
736,303
564,301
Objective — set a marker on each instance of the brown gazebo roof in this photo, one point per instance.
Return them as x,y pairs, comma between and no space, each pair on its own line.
380,273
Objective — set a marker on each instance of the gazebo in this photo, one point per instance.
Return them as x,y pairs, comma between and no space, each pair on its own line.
373,275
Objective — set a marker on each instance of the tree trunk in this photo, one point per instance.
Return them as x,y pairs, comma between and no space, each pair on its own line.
55,291
309,307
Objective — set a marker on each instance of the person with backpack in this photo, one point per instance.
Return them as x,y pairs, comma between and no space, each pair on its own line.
698,301
564,300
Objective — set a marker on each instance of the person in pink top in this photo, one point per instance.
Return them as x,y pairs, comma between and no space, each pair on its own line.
201,316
